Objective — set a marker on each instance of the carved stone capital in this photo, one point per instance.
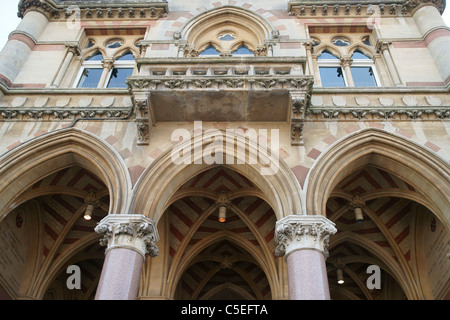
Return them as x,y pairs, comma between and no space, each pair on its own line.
346,62
108,63
300,232
73,47
383,45
131,231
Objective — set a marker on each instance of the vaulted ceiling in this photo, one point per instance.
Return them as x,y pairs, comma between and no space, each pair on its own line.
221,258
384,238
63,236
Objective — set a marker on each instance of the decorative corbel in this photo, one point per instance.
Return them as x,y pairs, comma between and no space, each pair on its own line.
143,119
299,103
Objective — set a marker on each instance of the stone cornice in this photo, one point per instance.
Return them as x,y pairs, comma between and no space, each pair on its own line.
359,8
98,9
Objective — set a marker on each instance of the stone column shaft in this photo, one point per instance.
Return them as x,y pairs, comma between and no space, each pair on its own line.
346,65
384,48
129,238
20,43
71,51
436,35
303,239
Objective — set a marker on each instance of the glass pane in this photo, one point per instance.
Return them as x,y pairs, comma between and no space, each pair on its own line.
326,55
359,55
227,37
96,57
114,44
118,77
363,77
210,50
127,56
341,42
90,78
243,49
331,77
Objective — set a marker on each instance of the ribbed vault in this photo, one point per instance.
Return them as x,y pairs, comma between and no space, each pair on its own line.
214,260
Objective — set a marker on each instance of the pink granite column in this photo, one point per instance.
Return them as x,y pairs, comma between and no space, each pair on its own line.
303,240
128,239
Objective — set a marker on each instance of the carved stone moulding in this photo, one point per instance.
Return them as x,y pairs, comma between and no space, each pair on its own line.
335,8
131,231
99,10
400,113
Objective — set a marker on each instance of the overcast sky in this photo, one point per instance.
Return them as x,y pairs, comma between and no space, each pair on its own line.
9,19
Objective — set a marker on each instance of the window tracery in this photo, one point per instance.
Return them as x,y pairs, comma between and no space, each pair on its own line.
344,61
106,63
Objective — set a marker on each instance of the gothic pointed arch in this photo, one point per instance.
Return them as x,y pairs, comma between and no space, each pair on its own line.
227,27
269,173
390,152
49,153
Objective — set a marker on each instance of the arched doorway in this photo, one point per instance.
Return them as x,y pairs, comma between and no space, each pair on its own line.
49,184
210,259
182,200
389,200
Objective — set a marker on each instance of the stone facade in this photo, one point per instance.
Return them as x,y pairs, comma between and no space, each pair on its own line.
157,115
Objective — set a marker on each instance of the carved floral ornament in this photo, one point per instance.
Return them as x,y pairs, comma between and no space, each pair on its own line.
135,232
298,232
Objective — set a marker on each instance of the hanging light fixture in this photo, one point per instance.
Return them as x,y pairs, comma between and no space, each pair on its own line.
222,214
91,202
223,203
339,273
88,212
356,206
340,276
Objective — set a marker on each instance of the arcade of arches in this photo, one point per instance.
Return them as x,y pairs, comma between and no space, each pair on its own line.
404,229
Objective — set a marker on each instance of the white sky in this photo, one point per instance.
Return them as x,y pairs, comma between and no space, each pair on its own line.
9,19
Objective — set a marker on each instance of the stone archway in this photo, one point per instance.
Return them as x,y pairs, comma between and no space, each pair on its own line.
166,185
47,185
206,256
49,153
393,183
395,155
267,171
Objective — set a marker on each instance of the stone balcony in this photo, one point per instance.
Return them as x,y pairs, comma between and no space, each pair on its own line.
259,89
219,89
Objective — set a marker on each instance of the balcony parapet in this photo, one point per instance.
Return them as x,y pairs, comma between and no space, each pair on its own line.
260,89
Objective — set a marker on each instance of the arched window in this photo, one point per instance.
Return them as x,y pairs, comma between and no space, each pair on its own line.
91,71
330,70
94,74
210,51
243,50
123,68
226,29
363,70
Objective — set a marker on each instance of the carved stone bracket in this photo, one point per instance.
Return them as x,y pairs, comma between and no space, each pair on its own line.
130,231
300,101
143,119
299,232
